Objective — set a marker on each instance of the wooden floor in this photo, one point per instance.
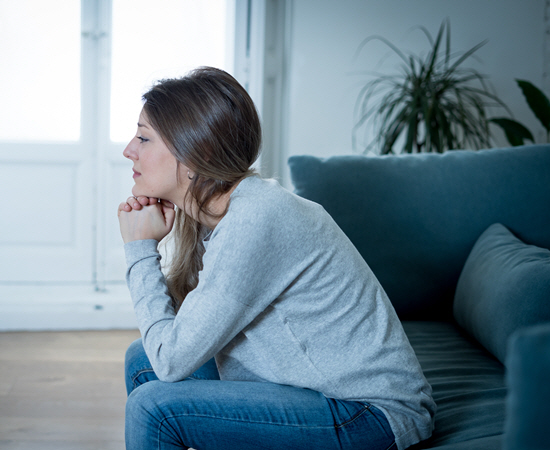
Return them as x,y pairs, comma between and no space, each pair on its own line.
63,390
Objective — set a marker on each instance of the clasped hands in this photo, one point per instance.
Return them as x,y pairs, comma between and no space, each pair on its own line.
145,218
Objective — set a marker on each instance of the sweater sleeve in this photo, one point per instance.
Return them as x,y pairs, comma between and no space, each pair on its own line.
238,281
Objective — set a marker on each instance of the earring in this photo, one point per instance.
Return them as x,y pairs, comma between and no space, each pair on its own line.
189,175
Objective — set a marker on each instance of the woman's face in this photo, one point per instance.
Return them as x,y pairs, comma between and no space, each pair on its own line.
155,167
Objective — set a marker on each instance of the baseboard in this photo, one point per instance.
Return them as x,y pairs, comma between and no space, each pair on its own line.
45,308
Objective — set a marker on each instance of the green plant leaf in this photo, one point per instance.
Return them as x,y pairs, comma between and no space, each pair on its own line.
537,101
381,39
466,55
515,132
433,102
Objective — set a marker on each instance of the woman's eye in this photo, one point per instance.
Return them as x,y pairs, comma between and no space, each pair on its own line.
142,140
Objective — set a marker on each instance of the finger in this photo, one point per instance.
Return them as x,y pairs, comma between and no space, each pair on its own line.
169,216
153,200
133,203
167,210
143,200
168,204
124,207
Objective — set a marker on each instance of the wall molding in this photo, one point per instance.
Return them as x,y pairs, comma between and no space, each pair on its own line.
55,307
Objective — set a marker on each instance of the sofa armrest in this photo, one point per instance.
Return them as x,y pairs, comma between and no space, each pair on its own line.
528,378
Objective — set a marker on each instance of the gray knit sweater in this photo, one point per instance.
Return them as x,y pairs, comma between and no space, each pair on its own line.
284,297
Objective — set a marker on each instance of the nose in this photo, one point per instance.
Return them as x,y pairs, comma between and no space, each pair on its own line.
130,151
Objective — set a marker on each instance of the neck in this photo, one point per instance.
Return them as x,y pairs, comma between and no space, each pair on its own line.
217,207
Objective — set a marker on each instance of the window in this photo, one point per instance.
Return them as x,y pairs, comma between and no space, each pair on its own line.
154,40
71,84
40,76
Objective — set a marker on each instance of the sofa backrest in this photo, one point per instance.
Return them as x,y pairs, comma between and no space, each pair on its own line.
415,218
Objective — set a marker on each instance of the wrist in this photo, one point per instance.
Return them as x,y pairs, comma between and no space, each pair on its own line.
136,251
139,238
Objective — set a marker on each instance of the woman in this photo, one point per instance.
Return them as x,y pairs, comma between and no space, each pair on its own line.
309,353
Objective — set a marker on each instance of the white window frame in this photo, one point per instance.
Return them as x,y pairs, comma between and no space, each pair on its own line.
259,64
261,55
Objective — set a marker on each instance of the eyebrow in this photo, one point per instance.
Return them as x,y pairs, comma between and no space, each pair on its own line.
142,125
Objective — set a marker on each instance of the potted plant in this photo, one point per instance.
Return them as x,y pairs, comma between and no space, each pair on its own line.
516,133
434,103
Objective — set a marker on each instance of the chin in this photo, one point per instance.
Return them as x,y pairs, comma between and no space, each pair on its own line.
138,192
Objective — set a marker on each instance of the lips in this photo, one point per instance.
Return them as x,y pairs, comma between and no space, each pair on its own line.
136,173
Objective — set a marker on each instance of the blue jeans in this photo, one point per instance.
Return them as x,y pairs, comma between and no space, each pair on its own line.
205,413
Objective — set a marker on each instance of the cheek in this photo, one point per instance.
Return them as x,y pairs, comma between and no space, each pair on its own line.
166,175
161,168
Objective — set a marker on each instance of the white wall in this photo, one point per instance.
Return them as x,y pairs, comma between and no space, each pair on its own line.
324,35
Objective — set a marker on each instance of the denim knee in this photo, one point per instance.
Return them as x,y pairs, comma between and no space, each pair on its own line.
138,402
138,416
147,414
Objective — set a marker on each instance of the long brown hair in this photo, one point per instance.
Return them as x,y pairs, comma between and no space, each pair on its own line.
210,124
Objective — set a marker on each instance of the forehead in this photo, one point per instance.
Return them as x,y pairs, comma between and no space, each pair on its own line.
143,120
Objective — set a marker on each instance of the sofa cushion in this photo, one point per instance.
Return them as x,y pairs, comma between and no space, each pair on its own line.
504,286
414,218
468,385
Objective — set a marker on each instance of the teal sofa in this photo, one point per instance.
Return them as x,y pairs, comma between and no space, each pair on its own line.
460,243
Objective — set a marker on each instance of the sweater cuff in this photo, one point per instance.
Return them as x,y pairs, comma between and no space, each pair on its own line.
138,250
